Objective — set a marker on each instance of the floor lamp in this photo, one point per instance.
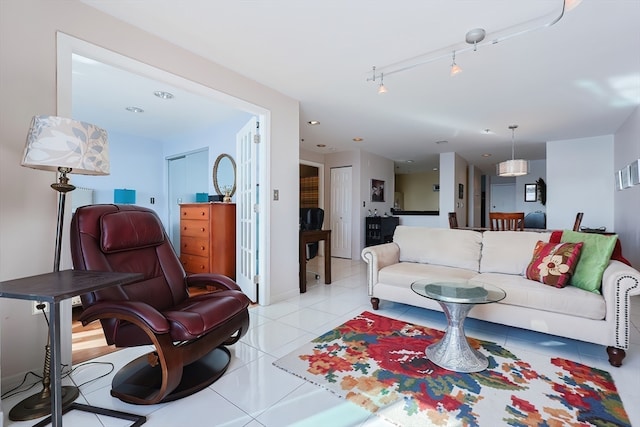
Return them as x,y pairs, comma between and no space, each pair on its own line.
64,146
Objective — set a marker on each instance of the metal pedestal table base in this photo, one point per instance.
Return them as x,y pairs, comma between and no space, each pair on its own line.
453,351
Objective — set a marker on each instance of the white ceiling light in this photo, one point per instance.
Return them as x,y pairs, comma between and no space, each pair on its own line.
513,167
163,94
474,38
135,109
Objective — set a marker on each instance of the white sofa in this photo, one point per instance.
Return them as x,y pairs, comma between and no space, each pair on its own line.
501,258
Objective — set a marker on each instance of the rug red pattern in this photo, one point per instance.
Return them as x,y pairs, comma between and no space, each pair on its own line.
379,363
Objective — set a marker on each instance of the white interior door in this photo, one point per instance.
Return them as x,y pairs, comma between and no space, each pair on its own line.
503,198
341,195
246,210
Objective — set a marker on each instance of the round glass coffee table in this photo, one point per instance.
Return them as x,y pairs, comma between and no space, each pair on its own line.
453,351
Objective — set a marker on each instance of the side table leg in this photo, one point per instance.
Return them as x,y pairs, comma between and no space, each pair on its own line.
453,351
56,359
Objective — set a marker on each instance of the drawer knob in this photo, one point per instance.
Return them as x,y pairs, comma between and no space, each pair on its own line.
202,247
202,229
202,213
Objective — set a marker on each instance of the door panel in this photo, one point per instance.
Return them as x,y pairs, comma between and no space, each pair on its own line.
503,198
341,191
246,216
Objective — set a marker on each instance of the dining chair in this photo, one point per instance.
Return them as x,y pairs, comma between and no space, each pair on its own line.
453,220
576,224
505,221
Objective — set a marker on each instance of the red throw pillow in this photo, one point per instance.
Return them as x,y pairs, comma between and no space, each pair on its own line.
553,263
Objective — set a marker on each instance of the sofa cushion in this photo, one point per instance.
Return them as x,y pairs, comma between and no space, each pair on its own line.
403,274
527,293
596,253
441,246
509,251
553,263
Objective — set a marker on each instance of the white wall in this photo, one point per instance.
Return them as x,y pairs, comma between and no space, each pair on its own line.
580,179
537,169
130,153
28,85
373,167
474,197
627,201
453,171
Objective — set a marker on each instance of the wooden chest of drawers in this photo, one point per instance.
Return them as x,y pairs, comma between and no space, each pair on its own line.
208,238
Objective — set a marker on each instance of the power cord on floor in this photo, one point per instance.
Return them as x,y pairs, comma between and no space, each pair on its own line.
111,365
18,389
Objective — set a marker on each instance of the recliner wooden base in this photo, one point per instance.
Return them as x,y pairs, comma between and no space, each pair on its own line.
138,382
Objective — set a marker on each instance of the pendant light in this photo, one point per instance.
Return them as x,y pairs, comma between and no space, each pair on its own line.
513,167
455,68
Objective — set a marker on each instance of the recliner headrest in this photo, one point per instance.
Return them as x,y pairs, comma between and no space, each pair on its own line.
127,230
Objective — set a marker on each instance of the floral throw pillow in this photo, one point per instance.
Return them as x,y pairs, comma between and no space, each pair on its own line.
554,263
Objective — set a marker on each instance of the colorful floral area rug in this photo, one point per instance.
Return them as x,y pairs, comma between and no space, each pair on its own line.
379,363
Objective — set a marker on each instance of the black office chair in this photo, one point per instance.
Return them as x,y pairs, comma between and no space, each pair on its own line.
312,219
536,220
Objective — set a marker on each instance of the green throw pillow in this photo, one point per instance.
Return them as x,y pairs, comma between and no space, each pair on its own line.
594,258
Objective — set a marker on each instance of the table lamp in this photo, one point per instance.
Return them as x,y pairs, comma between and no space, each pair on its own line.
65,146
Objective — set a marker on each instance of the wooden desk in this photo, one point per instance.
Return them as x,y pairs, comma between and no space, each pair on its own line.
312,236
54,288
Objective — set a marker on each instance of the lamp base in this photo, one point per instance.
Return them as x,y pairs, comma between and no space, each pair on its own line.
39,404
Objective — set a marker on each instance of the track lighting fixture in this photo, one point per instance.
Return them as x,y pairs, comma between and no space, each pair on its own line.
382,89
474,39
455,68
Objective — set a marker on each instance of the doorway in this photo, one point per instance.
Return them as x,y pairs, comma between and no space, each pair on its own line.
312,190
68,46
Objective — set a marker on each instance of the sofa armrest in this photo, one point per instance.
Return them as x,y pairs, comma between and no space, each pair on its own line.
378,257
619,283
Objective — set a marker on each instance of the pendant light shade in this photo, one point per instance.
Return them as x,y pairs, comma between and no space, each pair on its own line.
513,167
516,167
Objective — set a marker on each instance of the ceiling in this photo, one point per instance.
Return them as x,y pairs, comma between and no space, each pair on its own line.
577,78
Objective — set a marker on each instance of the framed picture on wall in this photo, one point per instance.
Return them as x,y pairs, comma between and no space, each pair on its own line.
377,190
460,191
530,192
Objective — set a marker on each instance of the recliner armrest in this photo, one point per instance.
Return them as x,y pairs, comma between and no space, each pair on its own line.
219,281
123,309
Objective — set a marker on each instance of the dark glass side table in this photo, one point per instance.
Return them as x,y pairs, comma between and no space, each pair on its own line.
54,288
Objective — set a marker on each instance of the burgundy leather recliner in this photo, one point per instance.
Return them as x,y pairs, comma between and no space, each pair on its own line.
189,333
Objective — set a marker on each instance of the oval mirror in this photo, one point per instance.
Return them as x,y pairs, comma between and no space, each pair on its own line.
224,175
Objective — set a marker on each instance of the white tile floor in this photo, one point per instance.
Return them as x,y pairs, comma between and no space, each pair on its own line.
254,393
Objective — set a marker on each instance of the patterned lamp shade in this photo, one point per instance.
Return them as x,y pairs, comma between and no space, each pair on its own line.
516,167
58,142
